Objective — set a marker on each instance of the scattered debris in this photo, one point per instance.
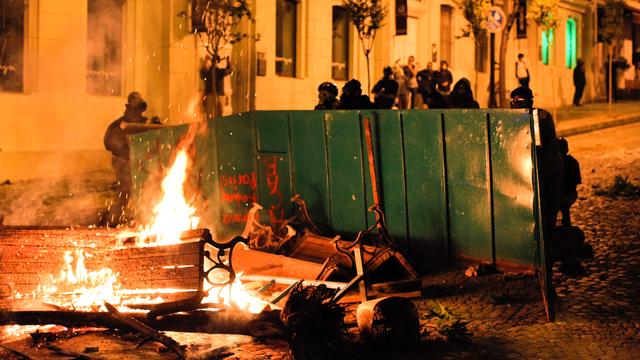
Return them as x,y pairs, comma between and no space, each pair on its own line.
480,270
313,321
442,324
389,321
621,188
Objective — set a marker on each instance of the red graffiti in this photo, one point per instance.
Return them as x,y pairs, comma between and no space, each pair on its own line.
234,218
237,197
234,181
271,173
272,178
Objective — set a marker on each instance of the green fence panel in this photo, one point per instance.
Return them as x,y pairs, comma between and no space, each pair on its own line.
236,170
309,166
467,177
348,208
452,183
426,201
513,194
387,140
273,131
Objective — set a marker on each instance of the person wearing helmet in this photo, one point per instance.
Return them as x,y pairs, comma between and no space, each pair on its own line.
327,96
352,97
385,90
115,141
550,163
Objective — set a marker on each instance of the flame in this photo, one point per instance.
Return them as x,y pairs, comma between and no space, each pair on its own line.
78,288
236,295
172,215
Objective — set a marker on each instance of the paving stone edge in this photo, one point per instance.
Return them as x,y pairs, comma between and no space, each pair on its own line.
626,120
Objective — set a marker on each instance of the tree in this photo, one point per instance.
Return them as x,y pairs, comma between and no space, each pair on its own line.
545,14
222,19
611,30
475,12
367,16
504,42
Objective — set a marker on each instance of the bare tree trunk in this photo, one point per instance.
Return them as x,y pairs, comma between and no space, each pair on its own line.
214,90
366,55
504,41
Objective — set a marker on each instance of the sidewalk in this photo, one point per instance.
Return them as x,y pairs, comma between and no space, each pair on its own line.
595,116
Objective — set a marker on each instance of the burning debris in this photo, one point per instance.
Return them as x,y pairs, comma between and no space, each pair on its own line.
170,275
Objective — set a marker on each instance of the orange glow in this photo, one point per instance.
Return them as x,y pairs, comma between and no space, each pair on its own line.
172,215
237,297
78,288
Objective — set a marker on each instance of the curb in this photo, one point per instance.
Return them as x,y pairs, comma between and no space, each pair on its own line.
599,126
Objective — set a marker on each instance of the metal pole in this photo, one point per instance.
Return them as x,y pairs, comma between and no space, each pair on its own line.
492,71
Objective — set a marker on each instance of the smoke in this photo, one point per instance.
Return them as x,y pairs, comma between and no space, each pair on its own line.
61,192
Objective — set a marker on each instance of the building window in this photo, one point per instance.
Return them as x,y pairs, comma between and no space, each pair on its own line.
547,39
104,47
481,55
446,36
571,44
286,35
340,44
11,45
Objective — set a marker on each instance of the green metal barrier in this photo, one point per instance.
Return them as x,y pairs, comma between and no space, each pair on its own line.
455,183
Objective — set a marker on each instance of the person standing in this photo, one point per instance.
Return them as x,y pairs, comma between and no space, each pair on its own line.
207,74
403,91
410,72
425,79
444,79
462,96
579,82
522,71
570,180
385,90
115,141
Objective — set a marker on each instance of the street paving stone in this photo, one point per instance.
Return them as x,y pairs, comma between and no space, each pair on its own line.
597,315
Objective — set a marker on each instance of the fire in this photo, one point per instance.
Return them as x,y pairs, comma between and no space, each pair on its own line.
172,215
79,288
236,295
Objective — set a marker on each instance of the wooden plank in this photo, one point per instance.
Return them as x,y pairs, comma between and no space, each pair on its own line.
159,273
184,283
135,252
260,263
135,263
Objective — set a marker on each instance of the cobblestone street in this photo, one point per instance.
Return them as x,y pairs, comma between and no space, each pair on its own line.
598,313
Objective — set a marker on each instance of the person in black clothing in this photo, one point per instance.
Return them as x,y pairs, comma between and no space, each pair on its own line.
115,140
579,82
425,79
327,96
385,90
462,96
444,78
352,98
570,180
434,99
549,158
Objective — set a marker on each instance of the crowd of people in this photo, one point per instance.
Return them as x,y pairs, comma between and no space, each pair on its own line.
402,87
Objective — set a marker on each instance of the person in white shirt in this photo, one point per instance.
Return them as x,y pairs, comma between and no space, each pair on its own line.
522,73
